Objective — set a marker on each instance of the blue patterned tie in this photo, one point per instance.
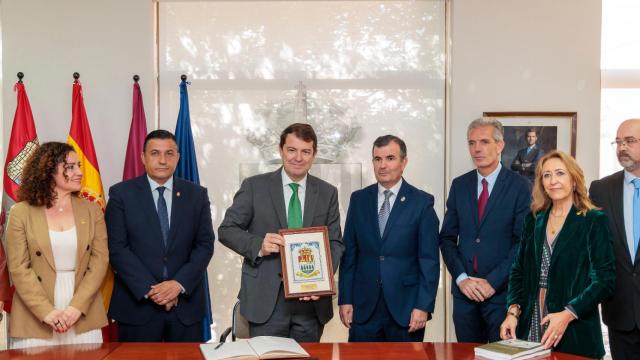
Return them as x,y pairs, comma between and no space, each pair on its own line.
636,216
385,209
163,215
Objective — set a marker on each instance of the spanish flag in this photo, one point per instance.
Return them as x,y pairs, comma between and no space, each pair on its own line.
82,141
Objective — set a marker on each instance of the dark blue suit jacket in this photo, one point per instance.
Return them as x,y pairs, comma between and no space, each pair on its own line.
137,252
404,262
522,158
492,240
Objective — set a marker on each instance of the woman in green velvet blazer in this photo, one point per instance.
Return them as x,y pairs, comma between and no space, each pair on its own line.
564,267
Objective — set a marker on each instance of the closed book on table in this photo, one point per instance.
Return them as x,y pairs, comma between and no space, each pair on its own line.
259,347
511,349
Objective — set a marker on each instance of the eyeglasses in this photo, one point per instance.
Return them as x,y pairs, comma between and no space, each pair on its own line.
630,141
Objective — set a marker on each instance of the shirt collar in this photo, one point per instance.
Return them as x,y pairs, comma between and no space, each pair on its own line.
286,180
395,189
491,178
628,177
154,185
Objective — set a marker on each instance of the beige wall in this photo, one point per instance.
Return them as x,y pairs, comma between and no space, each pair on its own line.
519,55
106,42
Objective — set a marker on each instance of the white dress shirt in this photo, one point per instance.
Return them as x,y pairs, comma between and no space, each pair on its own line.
392,198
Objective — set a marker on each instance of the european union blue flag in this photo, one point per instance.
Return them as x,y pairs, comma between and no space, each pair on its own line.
188,165
188,169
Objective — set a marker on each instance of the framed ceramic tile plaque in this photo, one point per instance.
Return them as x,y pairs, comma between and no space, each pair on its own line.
306,262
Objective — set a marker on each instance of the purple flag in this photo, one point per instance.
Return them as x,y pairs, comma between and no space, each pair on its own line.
132,163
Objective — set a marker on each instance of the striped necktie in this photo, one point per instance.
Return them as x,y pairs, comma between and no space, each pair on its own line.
385,209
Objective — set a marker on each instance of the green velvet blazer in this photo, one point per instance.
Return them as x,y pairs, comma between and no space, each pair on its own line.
581,274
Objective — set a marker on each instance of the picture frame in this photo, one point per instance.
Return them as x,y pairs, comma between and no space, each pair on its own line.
546,130
307,268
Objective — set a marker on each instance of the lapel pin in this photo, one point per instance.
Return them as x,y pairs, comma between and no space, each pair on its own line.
178,194
402,199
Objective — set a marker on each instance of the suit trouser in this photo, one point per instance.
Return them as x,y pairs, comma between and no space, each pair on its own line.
625,345
162,327
290,318
382,327
477,322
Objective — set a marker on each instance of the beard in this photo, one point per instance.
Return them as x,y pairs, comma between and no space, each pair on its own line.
627,162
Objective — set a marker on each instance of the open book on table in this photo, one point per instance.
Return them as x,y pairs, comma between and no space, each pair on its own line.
259,347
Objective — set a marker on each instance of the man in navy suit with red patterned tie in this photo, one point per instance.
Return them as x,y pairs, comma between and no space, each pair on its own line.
390,268
480,234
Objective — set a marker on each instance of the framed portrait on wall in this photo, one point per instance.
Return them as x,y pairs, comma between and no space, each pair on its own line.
306,262
530,135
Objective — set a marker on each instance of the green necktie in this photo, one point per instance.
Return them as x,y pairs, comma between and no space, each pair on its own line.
294,220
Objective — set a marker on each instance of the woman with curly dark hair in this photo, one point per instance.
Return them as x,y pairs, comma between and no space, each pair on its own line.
57,252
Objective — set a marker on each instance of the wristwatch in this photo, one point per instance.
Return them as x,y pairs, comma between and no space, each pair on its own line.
515,311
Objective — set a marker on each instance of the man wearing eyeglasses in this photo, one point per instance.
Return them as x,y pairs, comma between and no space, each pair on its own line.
619,196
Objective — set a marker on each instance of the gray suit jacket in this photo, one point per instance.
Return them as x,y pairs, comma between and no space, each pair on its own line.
258,208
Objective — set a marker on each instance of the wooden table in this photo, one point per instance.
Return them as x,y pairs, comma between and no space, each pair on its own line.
322,351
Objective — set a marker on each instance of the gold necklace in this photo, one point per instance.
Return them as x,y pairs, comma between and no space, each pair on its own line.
558,216
553,228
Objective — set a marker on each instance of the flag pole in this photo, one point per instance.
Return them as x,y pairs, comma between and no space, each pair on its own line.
136,78
76,76
188,169
23,141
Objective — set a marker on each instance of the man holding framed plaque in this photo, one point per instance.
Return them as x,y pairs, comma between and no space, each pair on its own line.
391,265
288,198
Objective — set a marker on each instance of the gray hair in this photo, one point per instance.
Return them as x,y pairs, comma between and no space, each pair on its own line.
498,130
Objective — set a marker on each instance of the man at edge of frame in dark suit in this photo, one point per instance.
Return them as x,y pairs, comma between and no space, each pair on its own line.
619,197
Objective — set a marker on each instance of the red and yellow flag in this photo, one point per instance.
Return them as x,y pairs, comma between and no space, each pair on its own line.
22,143
82,141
